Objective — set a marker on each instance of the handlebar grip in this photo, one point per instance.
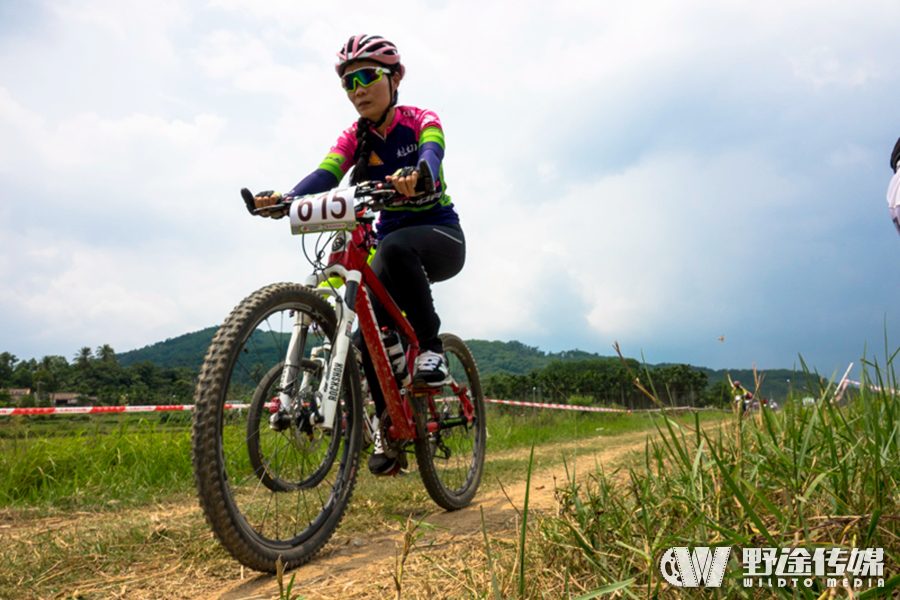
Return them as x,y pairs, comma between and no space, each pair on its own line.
425,182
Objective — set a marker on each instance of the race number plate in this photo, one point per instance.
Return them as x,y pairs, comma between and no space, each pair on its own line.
330,211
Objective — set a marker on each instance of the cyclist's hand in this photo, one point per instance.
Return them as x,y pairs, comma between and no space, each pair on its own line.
268,198
404,181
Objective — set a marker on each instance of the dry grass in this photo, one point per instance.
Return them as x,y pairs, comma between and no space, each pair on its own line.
159,551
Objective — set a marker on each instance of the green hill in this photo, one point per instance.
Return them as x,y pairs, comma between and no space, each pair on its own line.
493,358
516,358
512,357
185,350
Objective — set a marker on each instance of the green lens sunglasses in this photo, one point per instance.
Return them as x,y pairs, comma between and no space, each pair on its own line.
364,77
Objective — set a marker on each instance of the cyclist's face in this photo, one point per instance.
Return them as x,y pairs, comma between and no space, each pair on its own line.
372,101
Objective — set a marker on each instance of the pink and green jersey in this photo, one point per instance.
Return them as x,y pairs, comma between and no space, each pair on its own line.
414,134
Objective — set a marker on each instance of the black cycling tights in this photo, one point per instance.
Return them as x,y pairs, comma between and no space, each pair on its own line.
406,261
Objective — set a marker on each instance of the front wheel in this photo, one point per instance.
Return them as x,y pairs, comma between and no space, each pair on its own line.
270,484
451,460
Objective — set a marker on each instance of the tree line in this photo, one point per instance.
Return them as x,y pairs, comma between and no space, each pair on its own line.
573,377
611,382
94,374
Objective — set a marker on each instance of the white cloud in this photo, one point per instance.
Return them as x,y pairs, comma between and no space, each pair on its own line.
632,249
822,66
145,27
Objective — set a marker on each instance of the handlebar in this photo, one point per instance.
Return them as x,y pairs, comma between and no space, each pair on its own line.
377,194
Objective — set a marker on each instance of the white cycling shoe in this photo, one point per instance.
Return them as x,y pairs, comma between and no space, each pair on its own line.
431,369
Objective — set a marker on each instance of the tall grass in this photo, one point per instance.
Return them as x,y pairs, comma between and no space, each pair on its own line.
130,465
512,427
808,476
89,464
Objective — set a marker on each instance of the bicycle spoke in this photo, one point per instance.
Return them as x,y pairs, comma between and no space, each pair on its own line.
451,459
287,482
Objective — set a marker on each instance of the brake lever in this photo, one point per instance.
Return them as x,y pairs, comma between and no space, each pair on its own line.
247,195
425,183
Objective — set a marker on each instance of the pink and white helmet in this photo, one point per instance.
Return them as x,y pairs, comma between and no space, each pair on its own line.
369,47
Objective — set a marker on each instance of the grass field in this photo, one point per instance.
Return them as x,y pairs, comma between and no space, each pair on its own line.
56,464
805,478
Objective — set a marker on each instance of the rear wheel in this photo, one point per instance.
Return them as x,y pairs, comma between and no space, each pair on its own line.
451,460
273,488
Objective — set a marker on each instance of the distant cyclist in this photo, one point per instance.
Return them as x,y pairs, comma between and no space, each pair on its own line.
741,396
893,193
418,243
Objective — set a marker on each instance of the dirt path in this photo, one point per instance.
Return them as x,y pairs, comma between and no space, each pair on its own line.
167,551
363,567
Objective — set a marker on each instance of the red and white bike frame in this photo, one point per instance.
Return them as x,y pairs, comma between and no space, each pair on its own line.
348,260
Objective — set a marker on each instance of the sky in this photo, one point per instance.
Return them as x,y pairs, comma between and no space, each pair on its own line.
660,174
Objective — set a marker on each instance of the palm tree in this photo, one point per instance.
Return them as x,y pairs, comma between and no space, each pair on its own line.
83,357
105,353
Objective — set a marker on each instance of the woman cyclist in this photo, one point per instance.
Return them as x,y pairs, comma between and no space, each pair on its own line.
420,241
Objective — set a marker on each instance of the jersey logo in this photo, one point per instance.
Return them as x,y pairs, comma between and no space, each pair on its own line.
374,161
410,148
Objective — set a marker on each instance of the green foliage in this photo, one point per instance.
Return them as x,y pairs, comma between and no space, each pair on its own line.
165,372
516,358
130,465
7,367
600,380
808,477
580,401
775,383
99,378
506,357
185,350
718,394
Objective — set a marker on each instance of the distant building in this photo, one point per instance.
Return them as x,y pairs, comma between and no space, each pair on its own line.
64,399
56,398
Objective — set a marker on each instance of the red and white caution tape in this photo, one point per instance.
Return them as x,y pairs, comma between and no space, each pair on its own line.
870,386
85,410
588,408
89,410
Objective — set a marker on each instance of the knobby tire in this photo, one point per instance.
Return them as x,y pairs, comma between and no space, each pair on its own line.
452,481
240,497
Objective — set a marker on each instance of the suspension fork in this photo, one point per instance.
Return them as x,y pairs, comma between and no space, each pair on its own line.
293,357
331,385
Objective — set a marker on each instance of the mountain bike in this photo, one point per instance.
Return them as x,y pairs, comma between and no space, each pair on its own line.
275,476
